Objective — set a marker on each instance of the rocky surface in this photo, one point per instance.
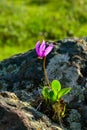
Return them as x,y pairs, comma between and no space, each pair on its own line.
22,79
18,115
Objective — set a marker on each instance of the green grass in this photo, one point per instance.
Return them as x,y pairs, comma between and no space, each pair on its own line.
24,22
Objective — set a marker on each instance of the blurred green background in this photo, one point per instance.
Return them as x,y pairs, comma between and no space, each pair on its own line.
24,22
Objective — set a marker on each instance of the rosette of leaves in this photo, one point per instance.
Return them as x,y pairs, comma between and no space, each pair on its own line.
54,96
55,92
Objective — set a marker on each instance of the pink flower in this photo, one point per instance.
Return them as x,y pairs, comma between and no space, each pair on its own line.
42,50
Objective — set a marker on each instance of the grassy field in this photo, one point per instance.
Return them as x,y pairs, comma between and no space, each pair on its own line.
24,22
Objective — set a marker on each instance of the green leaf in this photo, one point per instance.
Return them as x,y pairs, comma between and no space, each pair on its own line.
45,92
52,97
56,86
63,92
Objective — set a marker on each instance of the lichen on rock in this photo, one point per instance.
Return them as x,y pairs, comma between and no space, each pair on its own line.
74,120
59,68
23,75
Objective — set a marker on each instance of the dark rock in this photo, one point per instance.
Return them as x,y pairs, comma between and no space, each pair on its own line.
27,67
23,75
18,115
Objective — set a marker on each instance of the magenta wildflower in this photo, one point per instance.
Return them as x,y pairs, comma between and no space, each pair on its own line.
42,50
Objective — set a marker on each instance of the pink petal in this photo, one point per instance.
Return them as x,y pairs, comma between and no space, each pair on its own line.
48,49
42,47
37,47
40,55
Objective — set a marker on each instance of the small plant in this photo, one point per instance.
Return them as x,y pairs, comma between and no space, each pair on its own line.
53,92
53,95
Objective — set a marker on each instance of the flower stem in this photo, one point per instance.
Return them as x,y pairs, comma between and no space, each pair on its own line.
45,73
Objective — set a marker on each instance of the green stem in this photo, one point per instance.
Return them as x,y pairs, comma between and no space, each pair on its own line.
45,73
